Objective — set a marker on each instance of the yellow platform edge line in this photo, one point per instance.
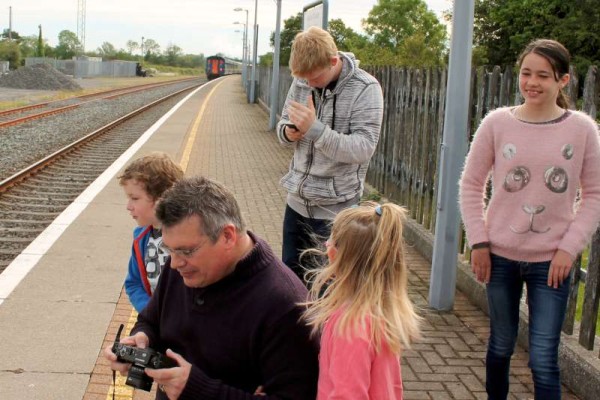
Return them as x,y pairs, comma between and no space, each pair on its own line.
185,157
120,389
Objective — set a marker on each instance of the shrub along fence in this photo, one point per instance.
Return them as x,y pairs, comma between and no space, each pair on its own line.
404,167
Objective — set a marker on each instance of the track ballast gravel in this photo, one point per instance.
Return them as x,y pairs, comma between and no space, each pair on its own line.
27,143
38,77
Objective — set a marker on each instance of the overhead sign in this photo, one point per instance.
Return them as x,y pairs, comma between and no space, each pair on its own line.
315,14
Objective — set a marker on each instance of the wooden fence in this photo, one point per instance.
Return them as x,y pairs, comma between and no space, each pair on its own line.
404,167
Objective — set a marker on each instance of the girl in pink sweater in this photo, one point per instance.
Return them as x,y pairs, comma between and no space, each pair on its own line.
538,154
360,305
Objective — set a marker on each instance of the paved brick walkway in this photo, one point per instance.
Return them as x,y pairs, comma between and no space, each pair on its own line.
234,147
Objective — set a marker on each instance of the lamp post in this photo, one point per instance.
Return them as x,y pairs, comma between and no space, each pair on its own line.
245,56
243,51
275,81
255,45
142,48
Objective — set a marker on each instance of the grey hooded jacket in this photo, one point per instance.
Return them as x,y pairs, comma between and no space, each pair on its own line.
327,172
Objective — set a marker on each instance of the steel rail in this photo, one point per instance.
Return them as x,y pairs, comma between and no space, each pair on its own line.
118,92
48,160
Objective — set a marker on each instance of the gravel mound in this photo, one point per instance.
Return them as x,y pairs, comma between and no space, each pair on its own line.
38,77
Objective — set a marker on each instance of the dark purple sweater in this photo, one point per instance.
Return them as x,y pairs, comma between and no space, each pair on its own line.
239,333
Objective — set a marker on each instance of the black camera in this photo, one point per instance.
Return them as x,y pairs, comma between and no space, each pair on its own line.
140,359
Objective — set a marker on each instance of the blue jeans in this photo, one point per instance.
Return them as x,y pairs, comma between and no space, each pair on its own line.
547,307
301,233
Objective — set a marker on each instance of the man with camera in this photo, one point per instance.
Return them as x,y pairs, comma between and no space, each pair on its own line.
226,310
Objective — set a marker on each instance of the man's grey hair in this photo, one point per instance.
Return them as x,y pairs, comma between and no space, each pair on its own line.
212,202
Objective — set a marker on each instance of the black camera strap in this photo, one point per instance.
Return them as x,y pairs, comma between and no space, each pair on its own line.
114,383
114,373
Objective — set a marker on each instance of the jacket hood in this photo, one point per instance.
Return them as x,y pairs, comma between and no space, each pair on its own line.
348,69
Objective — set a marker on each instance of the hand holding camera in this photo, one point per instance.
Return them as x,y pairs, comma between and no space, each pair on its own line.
133,350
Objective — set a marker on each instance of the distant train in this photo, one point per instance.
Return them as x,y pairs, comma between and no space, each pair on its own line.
217,66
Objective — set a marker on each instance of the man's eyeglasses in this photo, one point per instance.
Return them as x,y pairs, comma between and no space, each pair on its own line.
184,253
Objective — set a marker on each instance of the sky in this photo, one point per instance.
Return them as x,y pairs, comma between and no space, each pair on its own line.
196,26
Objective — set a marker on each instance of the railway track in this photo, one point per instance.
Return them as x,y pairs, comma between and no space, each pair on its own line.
33,197
20,115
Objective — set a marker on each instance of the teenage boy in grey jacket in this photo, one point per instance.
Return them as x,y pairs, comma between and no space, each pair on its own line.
332,118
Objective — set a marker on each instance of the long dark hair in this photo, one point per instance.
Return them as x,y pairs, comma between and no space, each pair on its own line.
558,57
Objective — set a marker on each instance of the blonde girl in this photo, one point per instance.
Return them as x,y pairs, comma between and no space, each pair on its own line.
539,154
360,305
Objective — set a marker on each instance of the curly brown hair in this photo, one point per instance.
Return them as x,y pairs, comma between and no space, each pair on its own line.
157,172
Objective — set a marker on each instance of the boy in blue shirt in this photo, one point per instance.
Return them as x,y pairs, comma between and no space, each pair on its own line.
144,182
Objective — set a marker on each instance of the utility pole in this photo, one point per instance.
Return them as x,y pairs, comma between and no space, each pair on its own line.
10,23
81,23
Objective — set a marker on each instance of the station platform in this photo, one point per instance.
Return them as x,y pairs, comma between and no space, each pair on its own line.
55,321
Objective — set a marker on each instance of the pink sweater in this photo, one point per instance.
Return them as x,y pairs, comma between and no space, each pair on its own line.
351,369
536,171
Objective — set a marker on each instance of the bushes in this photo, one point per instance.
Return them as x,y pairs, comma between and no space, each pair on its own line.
176,70
9,51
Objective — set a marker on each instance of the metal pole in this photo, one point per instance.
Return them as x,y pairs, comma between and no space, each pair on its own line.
275,78
10,23
243,44
454,148
247,55
243,56
255,41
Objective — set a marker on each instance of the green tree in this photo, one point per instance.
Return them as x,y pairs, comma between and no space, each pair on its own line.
132,46
291,27
345,38
49,51
371,54
14,35
9,51
190,61
28,46
40,44
151,47
406,26
107,50
172,53
123,54
68,45
266,60
502,28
